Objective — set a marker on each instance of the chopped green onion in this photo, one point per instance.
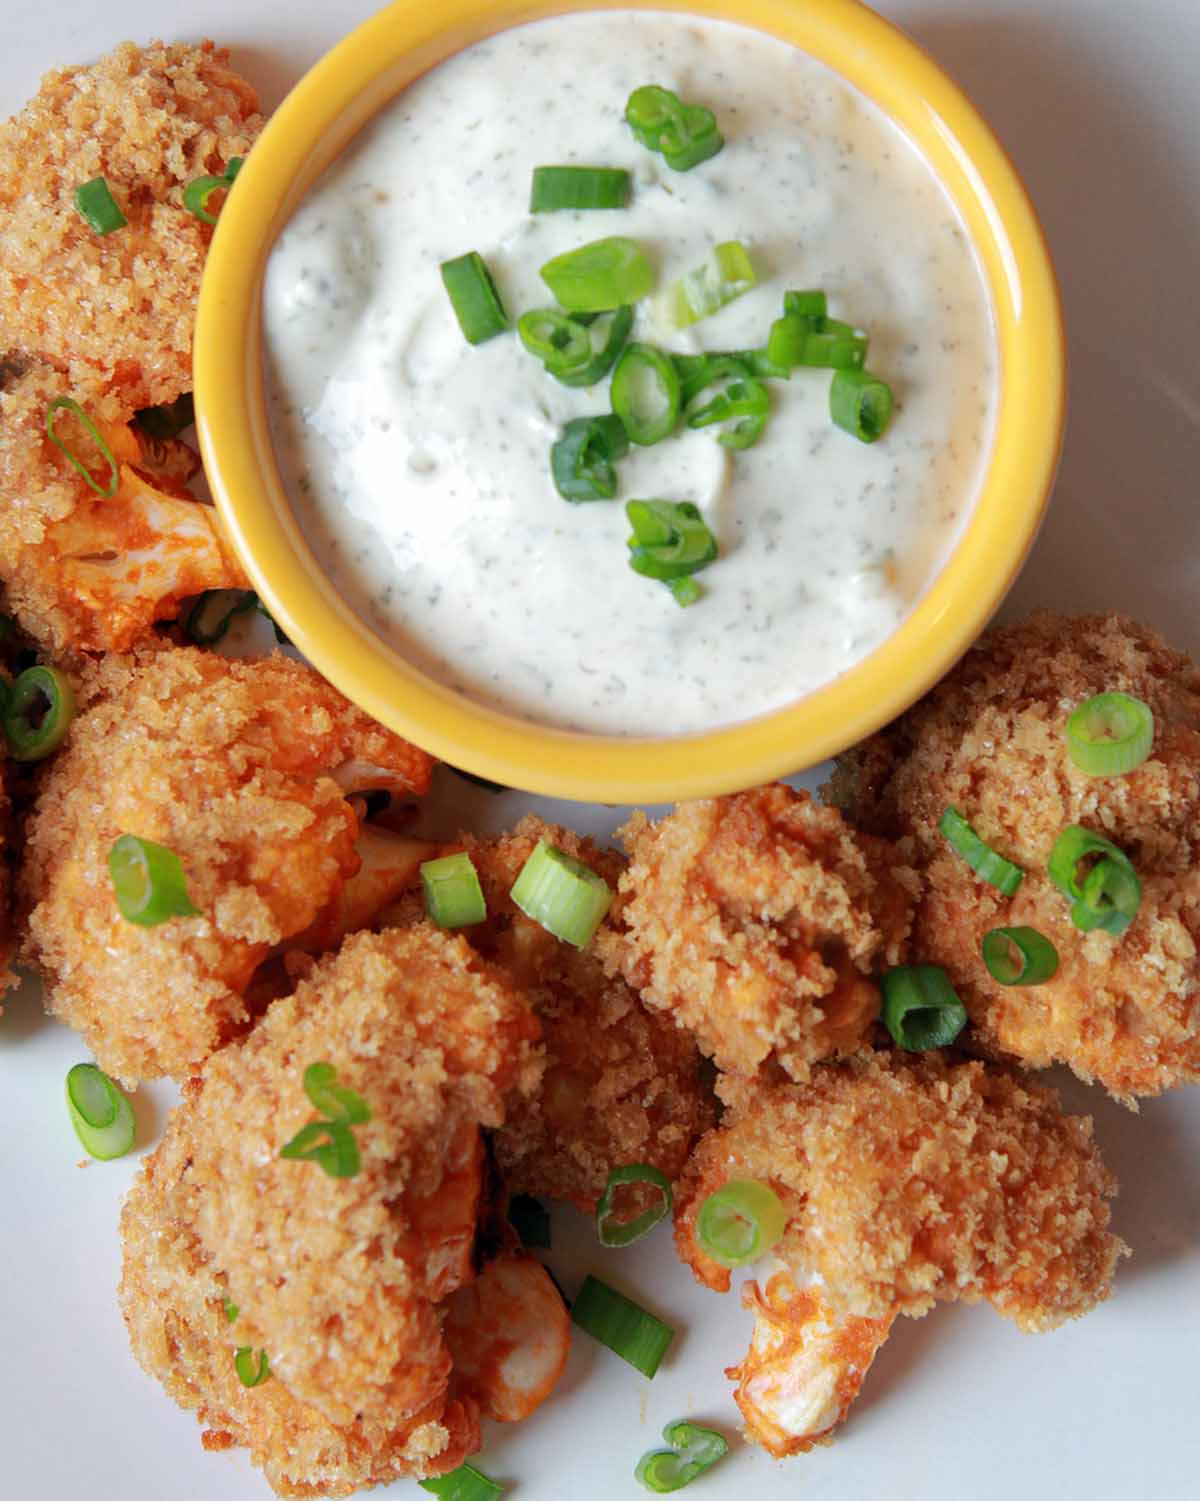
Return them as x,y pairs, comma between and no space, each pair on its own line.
453,895
561,342
102,1116
1110,735
805,304
332,1099
740,1222
981,857
797,339
685,134
197,193
148,882
474,298
741,398
860,404
561,893
608,333
670,538
686,590
38,713
530,1218
1109,894
95,202
693,1450
619,1323
600,276
464,1484
69,404
582,461
613,1232
167,421
1019,956
921,1008
646,393
230,1310
725,274
252,1370
214,612
330,1144
555,188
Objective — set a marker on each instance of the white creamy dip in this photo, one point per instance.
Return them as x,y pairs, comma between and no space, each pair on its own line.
419,464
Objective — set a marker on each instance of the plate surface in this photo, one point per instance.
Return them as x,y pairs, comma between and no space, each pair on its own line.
1100,117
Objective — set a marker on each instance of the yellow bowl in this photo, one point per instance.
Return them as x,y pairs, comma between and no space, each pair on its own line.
311,127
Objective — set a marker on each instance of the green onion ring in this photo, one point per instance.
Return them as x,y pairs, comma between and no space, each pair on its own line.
562,894
622,1325
1108,896
197,192
94,200
230,1309
860,404
740,1222
694,1449
556,188
1110,735
599,276
615,1233
42,691
252,1370
464,1484
332,1099
148,882
330,1144
100,1113
1036,957
474,297
69,404
980,856
453,895
921,1009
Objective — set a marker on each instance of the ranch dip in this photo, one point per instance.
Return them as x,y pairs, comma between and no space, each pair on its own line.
419,464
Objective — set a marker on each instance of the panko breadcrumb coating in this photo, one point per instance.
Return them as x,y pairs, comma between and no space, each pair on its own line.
241,768
990,741
621,1085
85,572
336,1279
115,312
754,921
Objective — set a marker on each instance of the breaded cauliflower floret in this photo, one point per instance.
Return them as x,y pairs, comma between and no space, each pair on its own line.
241,768
87,572
906,1180
337,1279
990,741
754,921
115,312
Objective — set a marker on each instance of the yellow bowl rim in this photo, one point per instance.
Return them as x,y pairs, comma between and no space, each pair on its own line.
308,129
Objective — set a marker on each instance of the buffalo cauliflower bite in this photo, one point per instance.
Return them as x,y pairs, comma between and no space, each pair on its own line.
621,1085
990,740
242,769
115,312
906,1180
755,921
340,1280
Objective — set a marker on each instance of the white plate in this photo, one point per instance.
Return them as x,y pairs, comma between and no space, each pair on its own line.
1096,101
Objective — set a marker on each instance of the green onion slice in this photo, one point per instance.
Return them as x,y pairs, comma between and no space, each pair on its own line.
230,1309
252,1369
562,894
95,202
600,276
214,612
797,339
69,404
686,591
613,1232
738,399
38,713
725,274
685,134
530,1218
102,1116
740,1222
556,188
330,1144
1109,894
167,421
197,193
646,393
561,342
860,404
148,882
1110,735
453,895
693,1450
670,539
622,1325
805,304
474,298
981,857
921,1008
332,1099
464,1484
608,333
582,461
1019,956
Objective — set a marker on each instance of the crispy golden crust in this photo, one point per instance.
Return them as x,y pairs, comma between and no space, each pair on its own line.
621,1084
231,765
910,1180
989,741
754,922
116,312
337,1279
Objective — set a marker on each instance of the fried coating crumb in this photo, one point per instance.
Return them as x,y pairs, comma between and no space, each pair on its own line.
754,921
337,1279
909,1179
115,312
232,765
621,1084
990,741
